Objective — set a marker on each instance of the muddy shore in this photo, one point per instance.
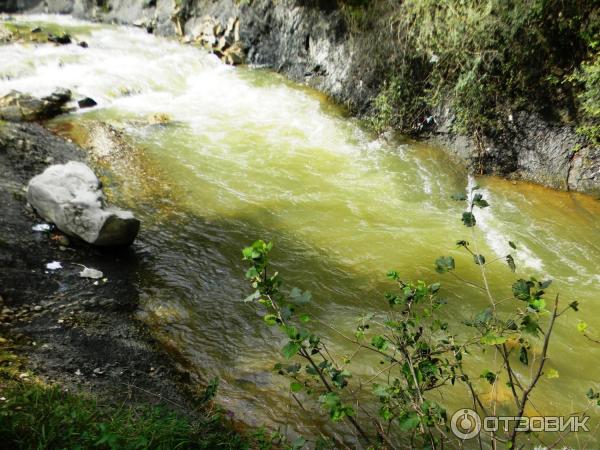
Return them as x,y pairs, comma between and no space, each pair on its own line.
70,330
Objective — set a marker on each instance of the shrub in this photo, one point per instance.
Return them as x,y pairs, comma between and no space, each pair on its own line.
485,58
417,354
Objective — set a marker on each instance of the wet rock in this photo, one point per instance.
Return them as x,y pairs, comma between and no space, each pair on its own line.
223,41
5,35
70,196
234,55
86,102
18,107
62,39
83,44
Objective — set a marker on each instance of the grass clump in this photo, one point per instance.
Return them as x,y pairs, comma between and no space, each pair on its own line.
35,417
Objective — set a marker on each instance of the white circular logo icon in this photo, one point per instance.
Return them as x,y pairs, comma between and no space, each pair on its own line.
465,424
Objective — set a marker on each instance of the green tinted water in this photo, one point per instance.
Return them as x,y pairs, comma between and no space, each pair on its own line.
247,155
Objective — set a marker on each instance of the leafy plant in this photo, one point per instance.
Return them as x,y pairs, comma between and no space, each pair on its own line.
416,353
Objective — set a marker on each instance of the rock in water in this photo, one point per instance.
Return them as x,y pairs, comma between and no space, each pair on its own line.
18,107
61,39
86,102
70,196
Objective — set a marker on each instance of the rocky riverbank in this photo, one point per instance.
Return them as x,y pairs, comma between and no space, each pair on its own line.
311,42
79,331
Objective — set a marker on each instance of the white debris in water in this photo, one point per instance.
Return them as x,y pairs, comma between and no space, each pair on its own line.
91,273
41,227
54,265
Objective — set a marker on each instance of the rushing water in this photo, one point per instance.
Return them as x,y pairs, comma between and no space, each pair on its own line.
247,155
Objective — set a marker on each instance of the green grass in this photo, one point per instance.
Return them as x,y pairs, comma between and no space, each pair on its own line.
34,415
41,417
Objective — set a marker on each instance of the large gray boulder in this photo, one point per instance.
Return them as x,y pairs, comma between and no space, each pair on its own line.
70,196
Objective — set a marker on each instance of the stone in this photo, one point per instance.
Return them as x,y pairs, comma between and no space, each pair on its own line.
70,196
86,102
18,107
234,55
61,39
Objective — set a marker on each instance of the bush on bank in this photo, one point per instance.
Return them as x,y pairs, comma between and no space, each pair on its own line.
483,58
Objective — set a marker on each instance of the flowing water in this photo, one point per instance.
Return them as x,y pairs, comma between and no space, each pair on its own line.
245,155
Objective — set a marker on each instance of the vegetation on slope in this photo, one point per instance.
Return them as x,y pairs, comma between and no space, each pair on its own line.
484,58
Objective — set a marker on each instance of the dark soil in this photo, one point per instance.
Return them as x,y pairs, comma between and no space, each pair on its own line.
71,331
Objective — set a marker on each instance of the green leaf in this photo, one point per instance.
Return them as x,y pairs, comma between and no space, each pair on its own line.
330,400
252,272
270,319
552,373
574,305
295,386
298,297
530,325
379,342
537,304
523,357
294,368
489,376
522,289
298,443
286,313
435,287
479,201
511,263
582,326
444,264
483,317
304,318
385,413
479,259
545,284
252,297
462,243
409,421
491,339
459,197
512,245
380,391
393,275
290,330
290,349
468,219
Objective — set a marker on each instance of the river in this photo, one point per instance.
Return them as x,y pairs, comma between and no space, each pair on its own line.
245,154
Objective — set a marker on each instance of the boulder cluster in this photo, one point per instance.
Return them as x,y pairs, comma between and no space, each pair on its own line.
19,107
222,40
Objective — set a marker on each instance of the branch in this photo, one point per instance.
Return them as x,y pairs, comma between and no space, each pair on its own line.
538,374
